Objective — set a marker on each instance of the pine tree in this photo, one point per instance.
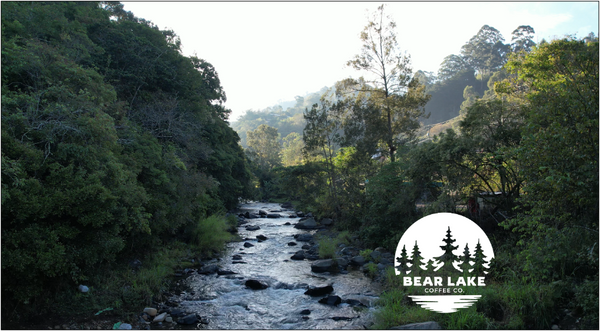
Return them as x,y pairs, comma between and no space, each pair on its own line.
403,260
465,265
478,267
429,267
448,257
417,260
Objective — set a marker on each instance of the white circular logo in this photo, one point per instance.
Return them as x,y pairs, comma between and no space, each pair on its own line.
441,255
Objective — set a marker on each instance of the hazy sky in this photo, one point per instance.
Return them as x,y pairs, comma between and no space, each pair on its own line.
267,52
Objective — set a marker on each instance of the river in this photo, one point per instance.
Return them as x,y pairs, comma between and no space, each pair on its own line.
226,302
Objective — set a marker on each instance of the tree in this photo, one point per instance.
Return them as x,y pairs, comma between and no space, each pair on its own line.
403,261
417,260
486,51
292,149
479,259
322,137
448,258
522,39
558,155
465,260
264,148
400,98
452,66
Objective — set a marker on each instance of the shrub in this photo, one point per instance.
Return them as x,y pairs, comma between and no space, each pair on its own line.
210,234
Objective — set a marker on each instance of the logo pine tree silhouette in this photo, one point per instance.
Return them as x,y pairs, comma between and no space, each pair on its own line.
448,258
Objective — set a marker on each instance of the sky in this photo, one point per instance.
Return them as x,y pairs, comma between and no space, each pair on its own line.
269,52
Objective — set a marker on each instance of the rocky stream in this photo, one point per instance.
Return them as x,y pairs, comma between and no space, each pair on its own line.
273,279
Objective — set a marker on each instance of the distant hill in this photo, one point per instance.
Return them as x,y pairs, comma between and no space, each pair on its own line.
285,120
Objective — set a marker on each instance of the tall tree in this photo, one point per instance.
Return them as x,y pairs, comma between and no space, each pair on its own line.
486,51
465,259
448,258
558,154
452,66
401,99
416,260
264,148
522,39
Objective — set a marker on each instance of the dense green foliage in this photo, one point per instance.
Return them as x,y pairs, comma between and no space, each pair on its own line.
113,143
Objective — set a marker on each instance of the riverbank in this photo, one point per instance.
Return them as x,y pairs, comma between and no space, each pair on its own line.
120,290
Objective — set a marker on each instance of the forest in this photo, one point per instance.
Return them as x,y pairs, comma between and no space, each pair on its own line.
117,151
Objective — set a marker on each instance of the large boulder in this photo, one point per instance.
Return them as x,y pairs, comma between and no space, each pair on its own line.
357,261
307,224
349,250
209,269
299,255
318,291
341,262
332,300
327,265
188,319
326,221
256,284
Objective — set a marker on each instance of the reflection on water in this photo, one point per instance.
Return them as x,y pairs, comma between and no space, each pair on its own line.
228,304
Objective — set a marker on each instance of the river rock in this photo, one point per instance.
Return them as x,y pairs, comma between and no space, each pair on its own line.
358,261
262,213
236,257
304,237
273,216
150,311
299,214
341,318
261,237
307,224
256,285
309,215
125,326
287,223
353,302
238,262
225,272
306,246
188,319
252,227
385,261
319,291
209,269
332,300
247,244
341,262
291,243
375,255
349,250
326,221
323,266
287,205
431,325
305,312
159,318
177,313
299,255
